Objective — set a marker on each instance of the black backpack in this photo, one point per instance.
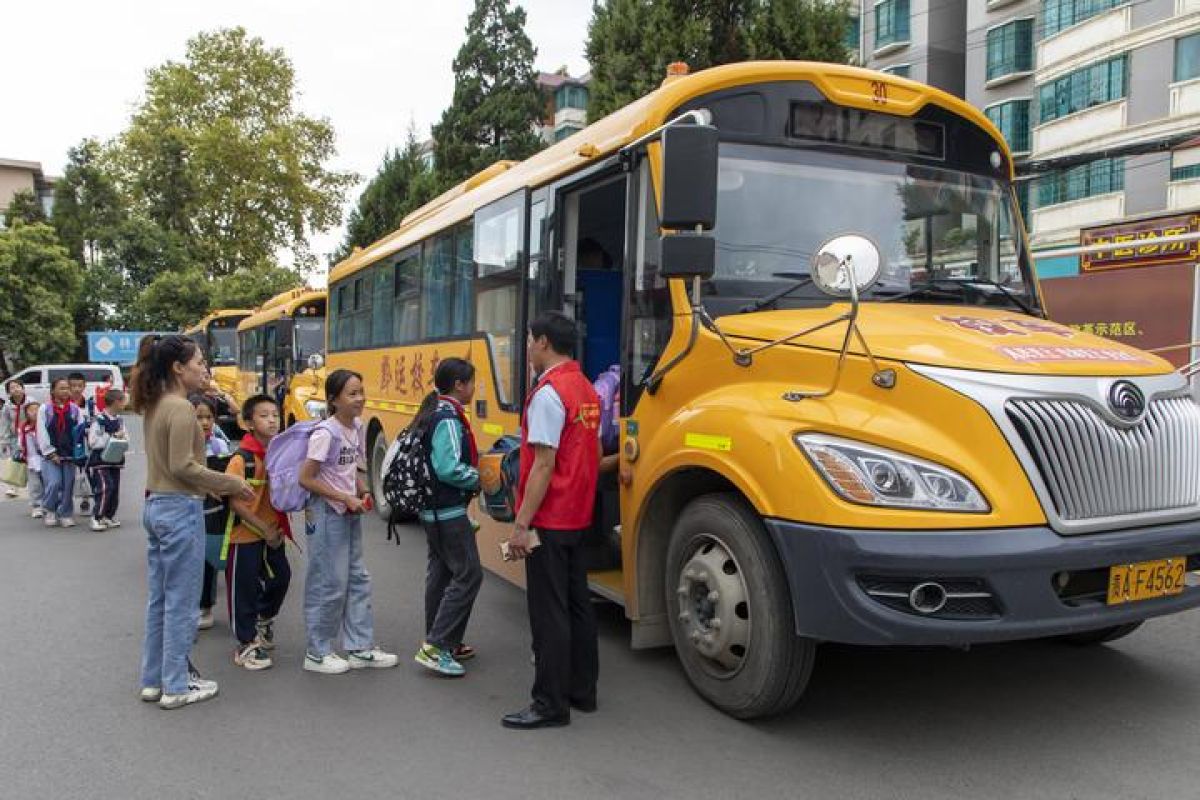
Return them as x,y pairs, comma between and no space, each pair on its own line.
217,512
407,480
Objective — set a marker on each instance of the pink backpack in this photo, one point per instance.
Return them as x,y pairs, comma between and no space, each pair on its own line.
286,453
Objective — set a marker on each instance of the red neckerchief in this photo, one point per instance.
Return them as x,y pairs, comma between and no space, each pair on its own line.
253,446
462,417
60,415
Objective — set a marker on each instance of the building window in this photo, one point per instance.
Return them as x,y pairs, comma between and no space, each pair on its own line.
903,70
1084,180
565,131
1190,172
570,96
1012,118
891,22
1010,49
1083,88
1058,15
1187,57
853,33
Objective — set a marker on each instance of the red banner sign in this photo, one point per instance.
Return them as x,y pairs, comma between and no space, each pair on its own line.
1133,254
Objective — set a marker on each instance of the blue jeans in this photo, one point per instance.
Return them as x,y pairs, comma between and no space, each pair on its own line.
174,565
337,588
59,494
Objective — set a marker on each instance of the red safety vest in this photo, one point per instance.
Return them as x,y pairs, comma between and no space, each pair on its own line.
571,497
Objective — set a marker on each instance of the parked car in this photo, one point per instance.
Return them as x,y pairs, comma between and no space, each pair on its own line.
37,379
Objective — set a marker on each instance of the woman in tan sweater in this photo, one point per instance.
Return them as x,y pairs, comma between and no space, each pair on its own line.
168,368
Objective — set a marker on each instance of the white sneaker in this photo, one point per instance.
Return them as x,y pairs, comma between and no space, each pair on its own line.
373,659
151,694
10,492
206,619
113,523
50,521
98,525
66,522
332,664
198,690
37,513
252,657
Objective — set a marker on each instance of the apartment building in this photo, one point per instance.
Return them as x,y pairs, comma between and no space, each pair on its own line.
16,176
919,39
566,103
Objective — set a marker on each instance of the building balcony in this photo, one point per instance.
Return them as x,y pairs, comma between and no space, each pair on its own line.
570,116
1076,214
1183,195
1186,7
1078,40
1185,96
1080,127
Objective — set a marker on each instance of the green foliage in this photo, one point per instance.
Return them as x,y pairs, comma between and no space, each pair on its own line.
631,42
39,282
496,98
87,204
217,153
173,300
250,287
26,207
403,183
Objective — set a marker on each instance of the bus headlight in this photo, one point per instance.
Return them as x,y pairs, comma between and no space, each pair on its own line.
315,409
875,476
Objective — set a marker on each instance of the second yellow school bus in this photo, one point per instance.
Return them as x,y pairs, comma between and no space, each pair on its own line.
844,416
281,350
217,336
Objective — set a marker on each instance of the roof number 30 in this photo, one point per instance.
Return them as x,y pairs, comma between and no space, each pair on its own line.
879,92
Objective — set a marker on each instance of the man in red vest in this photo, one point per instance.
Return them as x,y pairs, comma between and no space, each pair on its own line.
560,460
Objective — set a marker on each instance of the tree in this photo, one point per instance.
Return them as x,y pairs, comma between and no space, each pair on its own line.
403,183
248,288
39,283
87,203
173,300
217,153
631,42
496,98
26,207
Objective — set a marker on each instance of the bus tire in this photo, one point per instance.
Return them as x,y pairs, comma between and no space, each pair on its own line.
375,475
1100,635
723,569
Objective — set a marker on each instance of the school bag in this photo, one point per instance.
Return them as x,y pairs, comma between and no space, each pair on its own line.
407,480
608,388
286,454
499,474
219,516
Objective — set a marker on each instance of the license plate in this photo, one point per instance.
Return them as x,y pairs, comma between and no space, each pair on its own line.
1128,583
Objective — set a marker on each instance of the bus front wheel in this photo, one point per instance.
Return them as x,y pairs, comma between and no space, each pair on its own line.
378,451
730,611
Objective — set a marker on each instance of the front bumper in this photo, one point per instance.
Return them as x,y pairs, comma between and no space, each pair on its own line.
830,570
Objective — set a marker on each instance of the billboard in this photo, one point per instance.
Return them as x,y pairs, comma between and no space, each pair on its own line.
1133,254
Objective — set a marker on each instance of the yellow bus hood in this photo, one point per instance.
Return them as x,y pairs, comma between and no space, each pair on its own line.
967,337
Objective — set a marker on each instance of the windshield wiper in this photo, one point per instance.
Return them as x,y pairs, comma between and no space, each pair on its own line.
931,287
1004,290
800,280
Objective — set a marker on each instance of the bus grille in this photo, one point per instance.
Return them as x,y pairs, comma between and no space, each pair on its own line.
1094,469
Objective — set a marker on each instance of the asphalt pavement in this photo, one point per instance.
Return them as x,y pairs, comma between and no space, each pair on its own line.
1027,720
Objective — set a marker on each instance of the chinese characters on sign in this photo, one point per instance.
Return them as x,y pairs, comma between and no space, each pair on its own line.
1133,254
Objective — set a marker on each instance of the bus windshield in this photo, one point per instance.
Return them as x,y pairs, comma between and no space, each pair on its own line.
944,236
310,338
222,347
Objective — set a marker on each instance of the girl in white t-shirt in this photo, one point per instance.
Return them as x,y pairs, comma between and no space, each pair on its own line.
337,590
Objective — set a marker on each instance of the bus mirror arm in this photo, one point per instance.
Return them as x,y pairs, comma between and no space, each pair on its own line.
698,313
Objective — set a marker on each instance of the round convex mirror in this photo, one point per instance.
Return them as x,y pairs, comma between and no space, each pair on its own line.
843,259
316,361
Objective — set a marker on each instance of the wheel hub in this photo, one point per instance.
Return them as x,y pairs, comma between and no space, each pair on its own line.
713,605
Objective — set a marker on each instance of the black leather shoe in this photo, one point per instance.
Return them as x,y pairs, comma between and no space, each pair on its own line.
586,706
532,718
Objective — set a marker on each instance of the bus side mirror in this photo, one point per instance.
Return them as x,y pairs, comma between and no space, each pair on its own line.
316,361
689,190
684,255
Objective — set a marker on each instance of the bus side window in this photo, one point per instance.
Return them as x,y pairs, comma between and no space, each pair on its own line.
499,230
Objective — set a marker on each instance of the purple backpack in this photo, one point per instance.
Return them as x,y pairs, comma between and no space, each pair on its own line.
286,453
608,387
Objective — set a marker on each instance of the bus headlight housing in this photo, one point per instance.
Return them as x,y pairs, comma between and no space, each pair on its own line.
876,476
315,409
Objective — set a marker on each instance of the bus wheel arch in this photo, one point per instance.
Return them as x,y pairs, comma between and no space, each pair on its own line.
376,449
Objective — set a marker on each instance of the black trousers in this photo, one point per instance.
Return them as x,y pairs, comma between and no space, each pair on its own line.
256,581
565,648
208,591
106,490
452,580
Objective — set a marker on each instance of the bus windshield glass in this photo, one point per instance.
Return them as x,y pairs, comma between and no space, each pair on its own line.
310,338
944,236
222,347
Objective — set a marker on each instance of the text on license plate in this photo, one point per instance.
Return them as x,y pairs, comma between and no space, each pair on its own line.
1146,580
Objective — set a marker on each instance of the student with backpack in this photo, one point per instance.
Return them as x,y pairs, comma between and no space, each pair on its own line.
216,509
337,589
168,369
453,575
60,434
257,573
12,416
107,442
87,410
32,457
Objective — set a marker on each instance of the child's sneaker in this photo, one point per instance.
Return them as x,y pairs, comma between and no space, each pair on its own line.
198,690
206,619
252,657
50,521
373,658
439,660
98,525
10,492
113,522
266,633
332,664
38,513
150,694
66,522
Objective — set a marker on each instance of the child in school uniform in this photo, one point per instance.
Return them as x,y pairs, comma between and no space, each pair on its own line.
257,573
105,476
29,450
216,451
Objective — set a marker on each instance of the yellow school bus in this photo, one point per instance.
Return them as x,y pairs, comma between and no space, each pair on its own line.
843,414
281,350
217,336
